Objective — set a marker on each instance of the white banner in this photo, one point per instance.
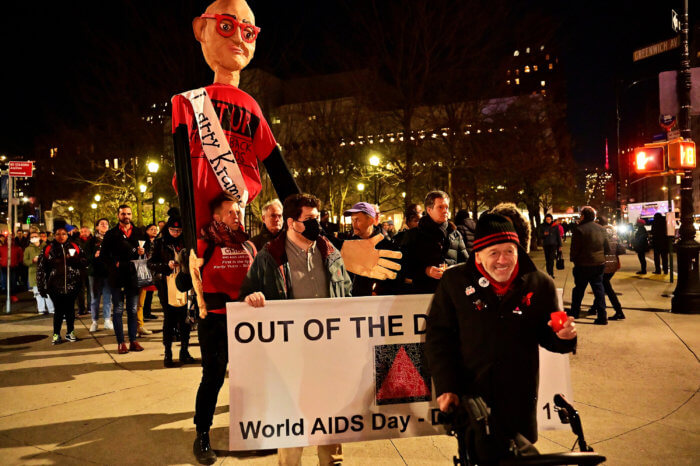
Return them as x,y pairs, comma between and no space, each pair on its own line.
323,371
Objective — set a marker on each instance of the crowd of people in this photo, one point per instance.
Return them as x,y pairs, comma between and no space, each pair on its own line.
297,255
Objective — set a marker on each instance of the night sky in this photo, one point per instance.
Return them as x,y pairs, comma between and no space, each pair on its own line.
60,56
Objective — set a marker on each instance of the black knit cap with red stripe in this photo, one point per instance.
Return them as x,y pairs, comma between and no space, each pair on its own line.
494,229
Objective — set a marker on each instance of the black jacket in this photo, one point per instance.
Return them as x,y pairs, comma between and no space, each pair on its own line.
479,345
431,244
57,271
117,248
262,238
467,229
163,250
589,244
659,238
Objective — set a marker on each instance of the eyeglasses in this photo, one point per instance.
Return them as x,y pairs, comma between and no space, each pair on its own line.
226,26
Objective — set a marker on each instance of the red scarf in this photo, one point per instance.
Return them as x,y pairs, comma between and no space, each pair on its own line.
500,288
221,234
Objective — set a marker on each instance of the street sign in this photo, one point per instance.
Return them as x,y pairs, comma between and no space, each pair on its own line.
675,134
655,49
667,121
19,168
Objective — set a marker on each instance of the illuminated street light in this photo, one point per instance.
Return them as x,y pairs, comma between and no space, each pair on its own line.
161,201
70,209
374,161
93,206
153,167
97,198
360,187
143,188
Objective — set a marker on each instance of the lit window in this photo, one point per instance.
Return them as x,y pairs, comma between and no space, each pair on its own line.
508,73
542,83
517,72
546,57
541,47
516,53
508,82
107,163
527,50
534,67
276,120
526,69
517,81
551,66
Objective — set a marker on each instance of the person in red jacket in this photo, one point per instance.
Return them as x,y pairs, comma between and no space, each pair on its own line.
16,257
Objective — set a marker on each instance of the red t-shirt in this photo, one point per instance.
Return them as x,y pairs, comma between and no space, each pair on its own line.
225,271
248,134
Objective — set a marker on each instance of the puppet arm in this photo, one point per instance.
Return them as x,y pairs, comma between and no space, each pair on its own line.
362,258
281,177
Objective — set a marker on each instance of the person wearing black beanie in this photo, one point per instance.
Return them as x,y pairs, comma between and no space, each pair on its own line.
486,322
163,262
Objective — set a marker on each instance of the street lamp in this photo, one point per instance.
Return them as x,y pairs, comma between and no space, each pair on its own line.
161,201
93,206
98,198
70,215
374,161
360,187
153,169
143,188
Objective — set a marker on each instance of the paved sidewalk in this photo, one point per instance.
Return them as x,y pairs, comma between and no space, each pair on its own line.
635,384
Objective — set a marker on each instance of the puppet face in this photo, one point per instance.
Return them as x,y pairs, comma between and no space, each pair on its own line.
225,55
498,260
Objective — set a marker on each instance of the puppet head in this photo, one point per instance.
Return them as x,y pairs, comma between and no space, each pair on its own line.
227,33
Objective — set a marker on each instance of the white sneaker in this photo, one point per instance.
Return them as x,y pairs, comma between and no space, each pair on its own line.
108,324
93,327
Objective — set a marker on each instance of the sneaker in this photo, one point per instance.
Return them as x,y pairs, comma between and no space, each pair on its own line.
108,324
56,339
93,327
71,337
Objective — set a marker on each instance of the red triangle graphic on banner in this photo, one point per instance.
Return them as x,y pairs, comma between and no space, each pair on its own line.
403,380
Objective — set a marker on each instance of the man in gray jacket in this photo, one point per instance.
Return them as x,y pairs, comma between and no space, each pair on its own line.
589,245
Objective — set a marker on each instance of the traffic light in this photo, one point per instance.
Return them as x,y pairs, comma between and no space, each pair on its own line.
681,155
649,159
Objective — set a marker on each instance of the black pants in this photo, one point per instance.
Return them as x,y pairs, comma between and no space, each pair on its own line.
610,293
147,302
213,343
642,261
83,294
660,260
63,304
550,255
172,317
583,275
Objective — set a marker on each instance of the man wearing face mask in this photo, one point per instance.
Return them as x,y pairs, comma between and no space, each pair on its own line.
298,264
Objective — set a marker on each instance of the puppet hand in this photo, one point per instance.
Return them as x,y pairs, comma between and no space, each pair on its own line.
361,258
195,263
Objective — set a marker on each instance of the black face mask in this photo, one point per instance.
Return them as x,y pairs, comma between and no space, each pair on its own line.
311,229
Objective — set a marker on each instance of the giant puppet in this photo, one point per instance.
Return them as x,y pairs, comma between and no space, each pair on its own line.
220,135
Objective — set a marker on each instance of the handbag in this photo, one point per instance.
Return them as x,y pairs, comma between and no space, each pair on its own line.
176,298
560,261
142,272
